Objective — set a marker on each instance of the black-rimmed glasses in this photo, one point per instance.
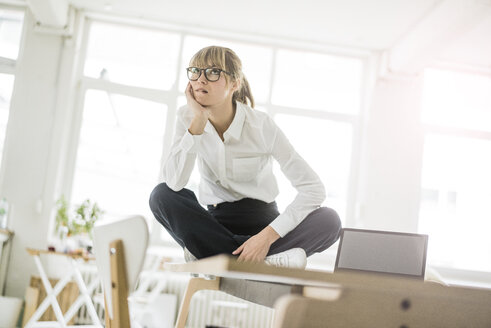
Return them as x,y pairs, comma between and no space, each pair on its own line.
212,74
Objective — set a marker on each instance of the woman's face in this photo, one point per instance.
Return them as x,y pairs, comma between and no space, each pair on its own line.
210,94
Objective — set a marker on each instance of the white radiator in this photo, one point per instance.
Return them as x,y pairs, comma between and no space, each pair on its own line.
207,307
223,310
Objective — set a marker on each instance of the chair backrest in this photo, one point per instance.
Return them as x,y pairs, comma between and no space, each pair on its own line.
133,233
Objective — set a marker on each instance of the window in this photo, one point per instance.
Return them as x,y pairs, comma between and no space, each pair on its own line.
119,152
317,99
143,57
10,34
317,81
307,81
331,161
124,136
6,85
456,179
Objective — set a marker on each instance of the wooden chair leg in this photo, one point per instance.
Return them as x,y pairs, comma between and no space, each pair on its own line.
194,285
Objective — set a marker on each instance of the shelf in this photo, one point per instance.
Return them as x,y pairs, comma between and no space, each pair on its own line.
5,235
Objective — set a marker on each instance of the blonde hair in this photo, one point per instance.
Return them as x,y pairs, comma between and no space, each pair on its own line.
227,60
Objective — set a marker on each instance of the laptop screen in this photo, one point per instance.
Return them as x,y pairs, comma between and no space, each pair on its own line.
382,251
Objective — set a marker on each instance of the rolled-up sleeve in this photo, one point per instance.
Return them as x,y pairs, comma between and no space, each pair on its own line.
180,162
311,191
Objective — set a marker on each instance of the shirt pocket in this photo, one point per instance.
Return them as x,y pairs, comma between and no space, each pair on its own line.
246,168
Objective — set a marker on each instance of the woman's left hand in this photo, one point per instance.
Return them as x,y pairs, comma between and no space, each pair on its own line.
257,247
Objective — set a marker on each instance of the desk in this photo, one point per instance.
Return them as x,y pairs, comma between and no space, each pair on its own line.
52,292
395,297
5,245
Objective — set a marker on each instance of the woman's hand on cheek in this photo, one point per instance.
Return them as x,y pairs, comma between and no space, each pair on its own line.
197,108
201,114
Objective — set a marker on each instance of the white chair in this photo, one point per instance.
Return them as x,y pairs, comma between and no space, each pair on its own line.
120,247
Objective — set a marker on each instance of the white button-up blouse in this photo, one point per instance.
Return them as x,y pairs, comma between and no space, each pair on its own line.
240,166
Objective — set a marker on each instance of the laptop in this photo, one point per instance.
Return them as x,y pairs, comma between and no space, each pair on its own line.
385,252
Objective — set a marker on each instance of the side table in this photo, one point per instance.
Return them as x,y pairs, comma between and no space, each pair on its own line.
51,292
5,245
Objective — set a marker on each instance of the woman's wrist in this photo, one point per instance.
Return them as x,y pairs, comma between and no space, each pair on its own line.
197,126
271,234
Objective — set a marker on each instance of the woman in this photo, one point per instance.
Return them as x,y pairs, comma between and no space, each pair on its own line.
234,146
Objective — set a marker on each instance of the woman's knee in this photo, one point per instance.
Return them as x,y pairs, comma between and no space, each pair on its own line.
160,193
329,220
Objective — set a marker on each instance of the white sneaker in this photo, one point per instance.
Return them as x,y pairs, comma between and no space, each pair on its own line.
188,257
292,258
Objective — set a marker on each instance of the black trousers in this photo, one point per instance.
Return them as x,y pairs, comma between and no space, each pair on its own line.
223,228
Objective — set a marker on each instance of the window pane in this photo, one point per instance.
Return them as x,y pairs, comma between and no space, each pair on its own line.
10,32
256,63
331,161
454,209
119,152
317,81
6,86
457,99
143,57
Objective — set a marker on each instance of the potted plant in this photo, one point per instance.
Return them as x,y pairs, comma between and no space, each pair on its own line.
76,225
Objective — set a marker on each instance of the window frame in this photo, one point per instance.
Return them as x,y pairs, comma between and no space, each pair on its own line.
170,97
8,66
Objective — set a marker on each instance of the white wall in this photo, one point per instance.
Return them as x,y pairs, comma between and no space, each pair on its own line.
392,146
32,160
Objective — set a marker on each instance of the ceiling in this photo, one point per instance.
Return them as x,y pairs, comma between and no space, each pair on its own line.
365,24
473,48
368,24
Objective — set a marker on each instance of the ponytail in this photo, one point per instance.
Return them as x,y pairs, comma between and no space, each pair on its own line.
244,94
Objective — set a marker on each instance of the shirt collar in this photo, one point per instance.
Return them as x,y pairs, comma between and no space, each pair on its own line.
235,128
208,127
